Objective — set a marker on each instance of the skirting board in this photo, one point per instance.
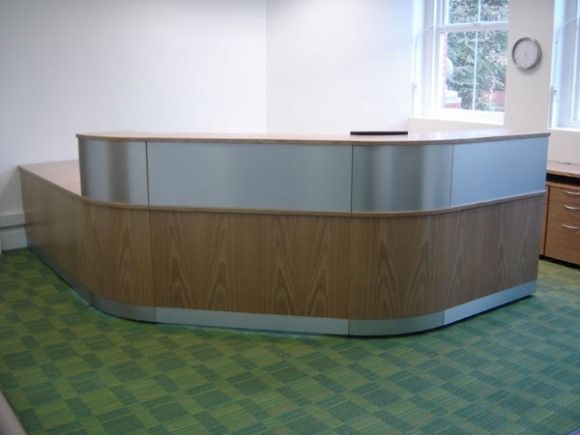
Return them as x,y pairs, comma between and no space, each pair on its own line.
13,238
12,233
313,325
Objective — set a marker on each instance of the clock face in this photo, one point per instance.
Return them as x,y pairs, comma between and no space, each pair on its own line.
526,53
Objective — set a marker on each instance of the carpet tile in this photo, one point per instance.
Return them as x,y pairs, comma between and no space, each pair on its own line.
66,368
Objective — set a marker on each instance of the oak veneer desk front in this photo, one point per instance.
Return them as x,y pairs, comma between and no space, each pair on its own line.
337,235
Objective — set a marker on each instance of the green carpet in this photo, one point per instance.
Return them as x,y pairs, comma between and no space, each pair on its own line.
66,368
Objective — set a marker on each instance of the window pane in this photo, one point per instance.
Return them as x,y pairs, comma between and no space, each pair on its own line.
491,71
567,70
457,70
495,10
473,70
576,85
461,11
469,11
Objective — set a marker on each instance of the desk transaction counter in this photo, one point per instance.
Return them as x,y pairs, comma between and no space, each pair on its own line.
340,235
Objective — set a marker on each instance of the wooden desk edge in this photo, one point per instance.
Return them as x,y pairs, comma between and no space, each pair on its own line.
442,138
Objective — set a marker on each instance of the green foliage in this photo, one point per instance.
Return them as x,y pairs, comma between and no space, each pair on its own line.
466,11
489,47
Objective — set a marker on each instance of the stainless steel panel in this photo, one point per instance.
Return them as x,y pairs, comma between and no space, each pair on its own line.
83,293
492,170
401,178
486,303
263,322
114,171
405,325
441,318
267,176
120,309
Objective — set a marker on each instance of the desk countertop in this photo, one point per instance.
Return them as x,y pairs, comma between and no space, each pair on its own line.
571,170
64,175
455,137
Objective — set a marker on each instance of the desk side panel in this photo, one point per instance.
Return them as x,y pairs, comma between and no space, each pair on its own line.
114,171
119,250
274,264
491,170
54,224
401,178
103,249
258,176
410,266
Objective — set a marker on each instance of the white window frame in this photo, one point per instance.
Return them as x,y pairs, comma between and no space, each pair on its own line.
565,104
428,55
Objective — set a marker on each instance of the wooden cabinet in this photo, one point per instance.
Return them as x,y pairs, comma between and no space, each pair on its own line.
544,220
562,224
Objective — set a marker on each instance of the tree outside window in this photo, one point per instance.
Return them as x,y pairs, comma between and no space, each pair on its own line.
469,52
474,70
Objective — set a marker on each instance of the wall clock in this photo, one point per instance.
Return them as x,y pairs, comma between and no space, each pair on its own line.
526,53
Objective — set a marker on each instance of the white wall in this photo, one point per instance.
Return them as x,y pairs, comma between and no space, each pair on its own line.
338,65
302,66
70,66
564,146
527,93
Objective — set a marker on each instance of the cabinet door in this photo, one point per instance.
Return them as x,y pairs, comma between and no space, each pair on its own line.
544,222
569,195
563,232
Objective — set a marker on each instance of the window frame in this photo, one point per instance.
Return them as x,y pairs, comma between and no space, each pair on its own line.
566,68
429,49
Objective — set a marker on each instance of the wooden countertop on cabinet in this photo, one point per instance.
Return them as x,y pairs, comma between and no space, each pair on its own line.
571,170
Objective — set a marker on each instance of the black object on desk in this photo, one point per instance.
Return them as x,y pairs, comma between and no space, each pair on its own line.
378,133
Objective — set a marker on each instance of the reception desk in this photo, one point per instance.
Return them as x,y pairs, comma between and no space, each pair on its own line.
331,234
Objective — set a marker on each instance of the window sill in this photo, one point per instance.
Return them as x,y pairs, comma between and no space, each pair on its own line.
565,129
473,119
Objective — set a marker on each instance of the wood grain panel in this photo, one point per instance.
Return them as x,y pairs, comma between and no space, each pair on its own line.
409,266
544,221
565,213
460,263
519,233
390,266
118,251
193,260
251,263
65,175
507,256
571,170
563,234
565,195
307,266
33,211
54,224
103,248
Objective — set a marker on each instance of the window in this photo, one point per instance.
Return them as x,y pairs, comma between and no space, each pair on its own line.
464,59
566,68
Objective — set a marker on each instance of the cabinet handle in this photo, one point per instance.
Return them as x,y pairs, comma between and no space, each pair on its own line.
570,227
571,208
567,192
